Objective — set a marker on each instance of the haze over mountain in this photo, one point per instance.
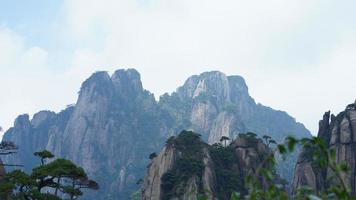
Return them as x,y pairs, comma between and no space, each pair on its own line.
116,124
297,50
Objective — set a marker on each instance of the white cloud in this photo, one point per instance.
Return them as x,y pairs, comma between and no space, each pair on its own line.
295,55
27,84
289,51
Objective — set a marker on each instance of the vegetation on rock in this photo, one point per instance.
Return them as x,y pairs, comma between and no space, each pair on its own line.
190,164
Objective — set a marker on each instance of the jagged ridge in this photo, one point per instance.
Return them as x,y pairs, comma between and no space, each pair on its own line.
115,124
339,133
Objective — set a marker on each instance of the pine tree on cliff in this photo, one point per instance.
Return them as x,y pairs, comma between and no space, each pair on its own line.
50,180
224,139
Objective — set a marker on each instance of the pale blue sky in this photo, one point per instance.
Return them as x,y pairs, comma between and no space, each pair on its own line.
296,55
33,19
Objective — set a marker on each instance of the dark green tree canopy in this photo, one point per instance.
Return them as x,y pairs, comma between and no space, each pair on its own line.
49,181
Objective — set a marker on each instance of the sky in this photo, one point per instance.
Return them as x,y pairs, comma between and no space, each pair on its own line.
297,55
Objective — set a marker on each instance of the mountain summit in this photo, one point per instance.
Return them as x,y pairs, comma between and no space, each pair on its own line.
217,105
116,123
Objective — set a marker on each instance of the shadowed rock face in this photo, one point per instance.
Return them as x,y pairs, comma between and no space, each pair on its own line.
339,133
115,124
249,154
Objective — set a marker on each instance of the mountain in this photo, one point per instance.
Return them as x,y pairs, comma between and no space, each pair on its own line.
339,133
187,167
216,105
108,132
116,123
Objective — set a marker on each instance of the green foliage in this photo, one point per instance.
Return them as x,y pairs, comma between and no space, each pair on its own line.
62,177
168,180
247,135
268,140
136,195
251,135
170,140
322,159
228,177
43,155
189,164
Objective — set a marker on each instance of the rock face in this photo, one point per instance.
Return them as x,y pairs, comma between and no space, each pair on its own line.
167,178
339,133
216,105
115,124
109,132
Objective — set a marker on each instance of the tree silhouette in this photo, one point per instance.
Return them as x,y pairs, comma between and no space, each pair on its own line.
8,148
224,139
152,155
139,182
43,155
268,140
251,135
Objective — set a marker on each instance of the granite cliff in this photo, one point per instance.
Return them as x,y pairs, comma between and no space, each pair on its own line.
188,168
115,124
338,133
217,105
109,132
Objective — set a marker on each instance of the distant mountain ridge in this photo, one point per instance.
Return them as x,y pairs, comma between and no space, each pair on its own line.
116,124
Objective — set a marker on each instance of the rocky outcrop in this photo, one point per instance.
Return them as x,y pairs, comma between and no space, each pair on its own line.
170,177
250,154
217,105
339,133
162,164
166,162
115,124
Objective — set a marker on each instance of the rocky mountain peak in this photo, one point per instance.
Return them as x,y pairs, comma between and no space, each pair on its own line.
22,122
209,83
127,82
42,116
97,85
97,78
215,85
115,124
100,89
